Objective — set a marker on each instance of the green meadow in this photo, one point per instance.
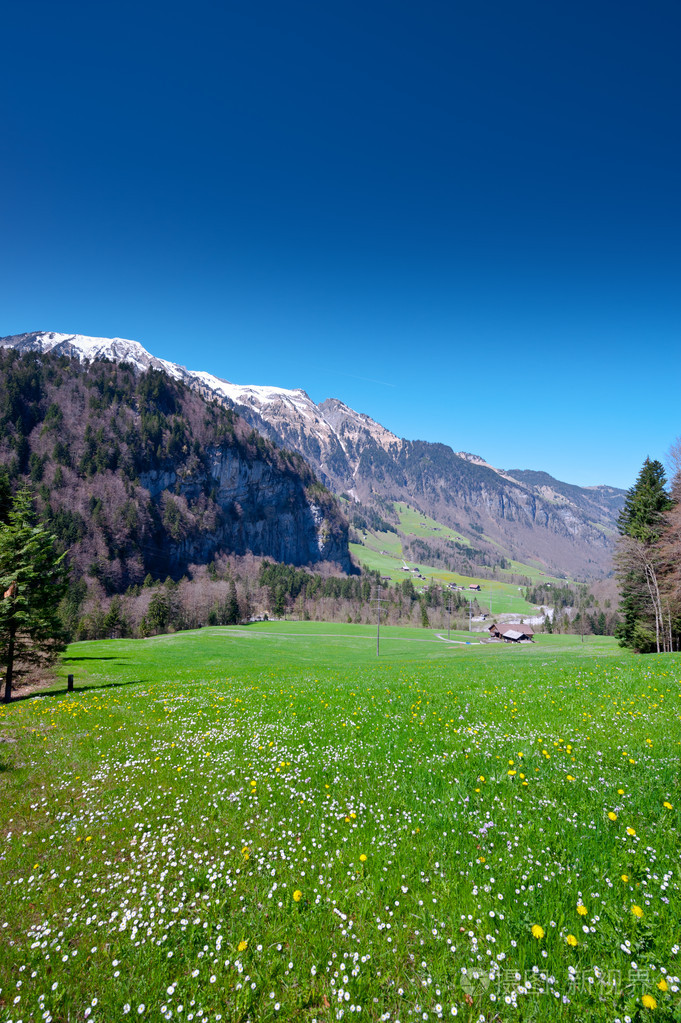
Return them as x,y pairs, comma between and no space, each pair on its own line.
272,823
382,552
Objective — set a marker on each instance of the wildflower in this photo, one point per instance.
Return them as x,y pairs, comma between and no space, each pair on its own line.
242,946
297,895
620,792
581,909
570,777
637,911
625,878
612,816
667,805
363,858
511,773
649,1002
571,940
537,931
663,985
630,831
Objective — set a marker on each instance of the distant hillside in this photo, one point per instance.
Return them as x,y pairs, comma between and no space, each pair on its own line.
523,515
138,474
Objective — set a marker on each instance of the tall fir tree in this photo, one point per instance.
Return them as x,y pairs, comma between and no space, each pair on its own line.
641,523
33,582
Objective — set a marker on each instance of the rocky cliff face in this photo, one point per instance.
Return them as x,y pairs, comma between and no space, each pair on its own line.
137,473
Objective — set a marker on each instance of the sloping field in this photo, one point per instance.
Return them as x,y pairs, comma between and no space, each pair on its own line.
271,823
504,597
382,552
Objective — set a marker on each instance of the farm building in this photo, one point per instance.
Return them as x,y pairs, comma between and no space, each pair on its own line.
511,632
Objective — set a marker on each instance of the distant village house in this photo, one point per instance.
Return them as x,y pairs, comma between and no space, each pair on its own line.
511,632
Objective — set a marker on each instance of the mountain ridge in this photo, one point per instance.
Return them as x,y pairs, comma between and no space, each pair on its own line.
136,473
525,513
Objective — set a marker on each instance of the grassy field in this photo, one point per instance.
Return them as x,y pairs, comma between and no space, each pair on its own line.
271,823
382,552
505,597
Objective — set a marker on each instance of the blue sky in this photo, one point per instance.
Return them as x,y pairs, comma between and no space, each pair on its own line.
462,219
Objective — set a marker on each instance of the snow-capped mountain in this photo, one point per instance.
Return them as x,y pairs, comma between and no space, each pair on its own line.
325,434
88,349
524,513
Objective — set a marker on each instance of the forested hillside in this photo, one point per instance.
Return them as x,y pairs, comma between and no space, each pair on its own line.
136,474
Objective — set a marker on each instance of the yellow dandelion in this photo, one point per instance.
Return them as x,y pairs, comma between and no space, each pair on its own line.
637,911
297,895
243,945
481,778
363,858
620,792
649,1002
581,909
663,985
570,777
571,940
630,831
612,816
537,931
511,773
625,878
667,805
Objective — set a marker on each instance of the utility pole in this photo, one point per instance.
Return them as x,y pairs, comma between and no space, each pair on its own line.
449,610
377,601
470,614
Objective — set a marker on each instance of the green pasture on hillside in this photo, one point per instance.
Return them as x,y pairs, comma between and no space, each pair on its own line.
382,552
412,521
505,597
271,823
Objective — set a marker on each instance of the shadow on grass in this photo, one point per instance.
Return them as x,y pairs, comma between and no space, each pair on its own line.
76,689
66,660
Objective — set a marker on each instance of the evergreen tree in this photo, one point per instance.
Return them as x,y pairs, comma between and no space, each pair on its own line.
641,523
232,606
114,621
33,582
158,615
642,516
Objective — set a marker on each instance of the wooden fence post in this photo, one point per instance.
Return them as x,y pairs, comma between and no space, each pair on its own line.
70,684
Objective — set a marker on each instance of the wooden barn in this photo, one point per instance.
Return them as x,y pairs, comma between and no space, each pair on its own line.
511,632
